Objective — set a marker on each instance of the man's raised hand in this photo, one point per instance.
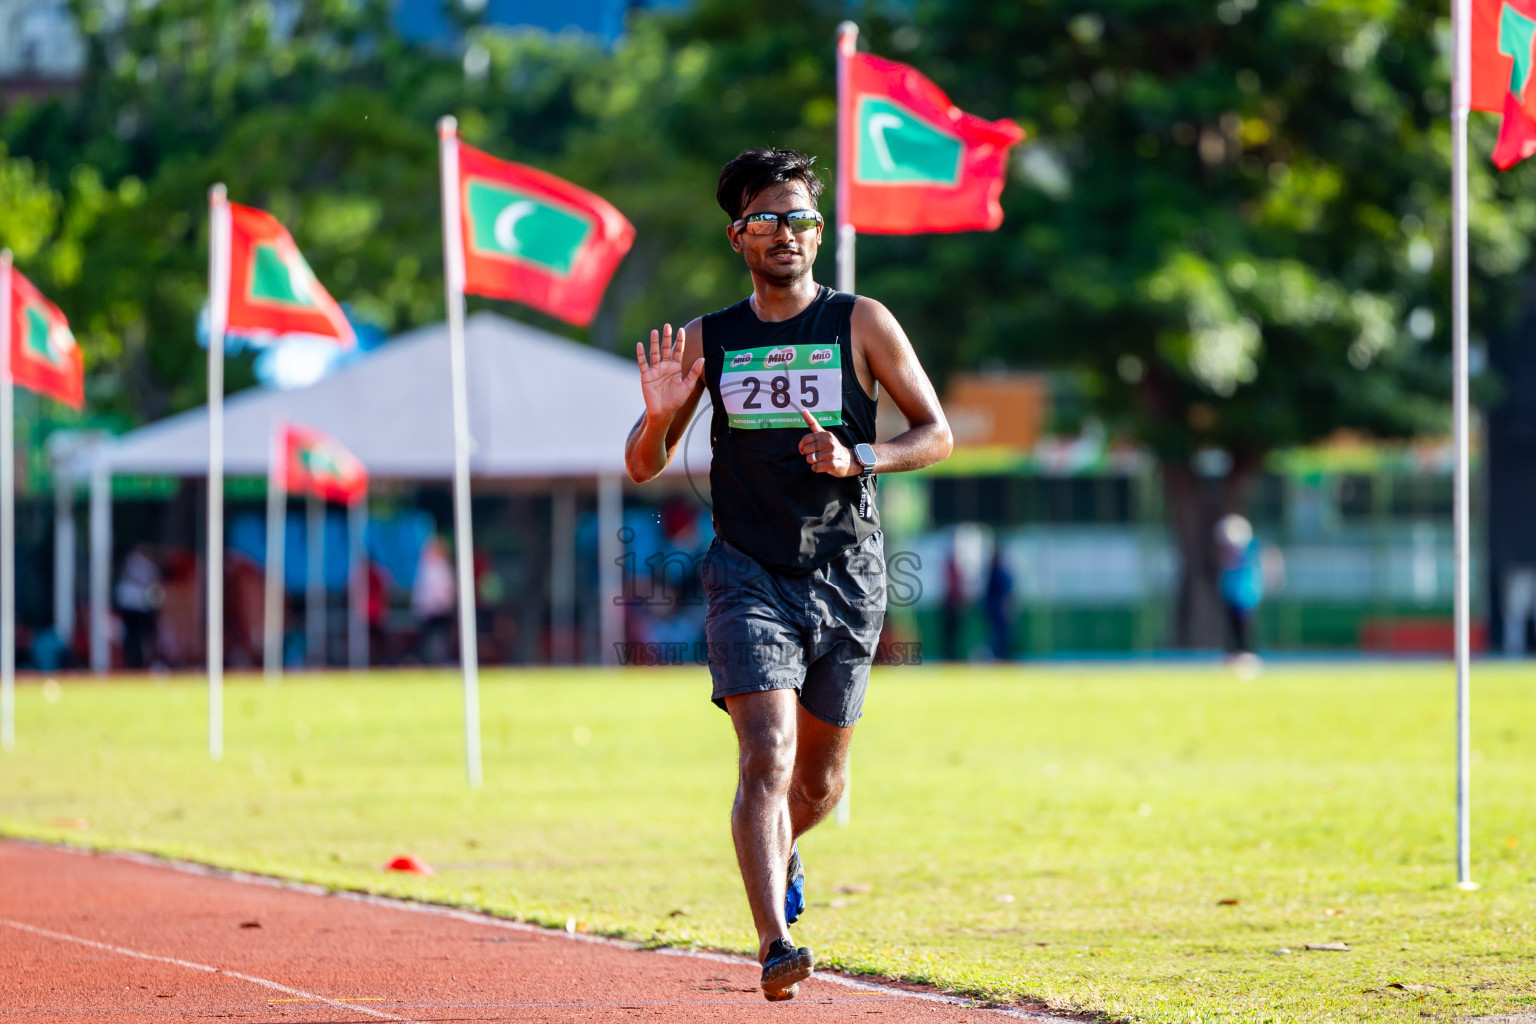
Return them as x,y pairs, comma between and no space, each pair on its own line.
823,451
662,380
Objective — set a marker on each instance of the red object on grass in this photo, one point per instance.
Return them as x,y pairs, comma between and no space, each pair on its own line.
1419,635
410,864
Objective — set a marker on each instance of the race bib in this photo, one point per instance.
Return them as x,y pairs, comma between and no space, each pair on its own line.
763,388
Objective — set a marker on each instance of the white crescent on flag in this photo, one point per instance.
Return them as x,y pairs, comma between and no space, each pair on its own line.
506,223
878,123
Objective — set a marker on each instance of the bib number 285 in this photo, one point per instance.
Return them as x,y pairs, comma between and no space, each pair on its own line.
767,388
778,392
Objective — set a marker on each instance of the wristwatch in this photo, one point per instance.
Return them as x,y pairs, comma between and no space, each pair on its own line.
865,454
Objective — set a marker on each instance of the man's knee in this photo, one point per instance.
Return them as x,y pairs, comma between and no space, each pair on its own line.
817,788
767,757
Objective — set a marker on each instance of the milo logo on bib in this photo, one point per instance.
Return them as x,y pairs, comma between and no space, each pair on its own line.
765,388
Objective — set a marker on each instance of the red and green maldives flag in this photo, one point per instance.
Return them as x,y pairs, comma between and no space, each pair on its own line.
316,463
537,239
43,355
272,291
916,162
1502,60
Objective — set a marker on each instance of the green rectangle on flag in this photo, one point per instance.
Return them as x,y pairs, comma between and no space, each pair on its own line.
517,225
275,279
896,147
36,340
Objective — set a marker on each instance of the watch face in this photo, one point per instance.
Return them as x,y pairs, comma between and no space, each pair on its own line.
865,454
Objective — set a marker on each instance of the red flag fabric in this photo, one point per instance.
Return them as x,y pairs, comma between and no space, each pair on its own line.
316,463
44,357
533,238
917,162
1503,32
1517,135
272,291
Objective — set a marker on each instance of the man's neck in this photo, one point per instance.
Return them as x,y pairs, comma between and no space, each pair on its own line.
775,302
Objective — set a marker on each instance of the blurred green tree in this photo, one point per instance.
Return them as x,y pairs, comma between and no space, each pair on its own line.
313,110
1229,223
1232,221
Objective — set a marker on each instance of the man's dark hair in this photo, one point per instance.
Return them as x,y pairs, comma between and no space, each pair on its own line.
756,170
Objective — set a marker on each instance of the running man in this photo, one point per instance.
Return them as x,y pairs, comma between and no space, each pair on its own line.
795,580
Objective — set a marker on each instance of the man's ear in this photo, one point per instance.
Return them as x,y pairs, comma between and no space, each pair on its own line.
730,234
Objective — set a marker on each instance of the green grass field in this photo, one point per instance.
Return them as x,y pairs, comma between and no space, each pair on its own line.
1054,834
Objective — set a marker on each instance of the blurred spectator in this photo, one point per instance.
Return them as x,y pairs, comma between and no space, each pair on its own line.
139,595
998,605
48,651
244,608
1247,570
379,584
954,606
1519,607
493,627
432,601
181,636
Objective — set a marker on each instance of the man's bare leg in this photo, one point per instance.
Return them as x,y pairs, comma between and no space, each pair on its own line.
766,729
821,771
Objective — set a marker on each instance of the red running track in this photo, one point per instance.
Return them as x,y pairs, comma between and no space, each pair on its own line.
96,938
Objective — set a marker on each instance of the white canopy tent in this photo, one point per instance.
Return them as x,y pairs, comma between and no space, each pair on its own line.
540,407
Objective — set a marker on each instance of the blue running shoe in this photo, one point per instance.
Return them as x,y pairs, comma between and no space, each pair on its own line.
784,968
794,892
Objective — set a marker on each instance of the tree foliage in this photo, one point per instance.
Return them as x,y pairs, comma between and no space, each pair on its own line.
1230,220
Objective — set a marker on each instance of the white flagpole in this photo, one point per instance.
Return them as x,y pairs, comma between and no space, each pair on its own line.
847,45
357,576
453,288
218,318
277,529
1461,101
7,515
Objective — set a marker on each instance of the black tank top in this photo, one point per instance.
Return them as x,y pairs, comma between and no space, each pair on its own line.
767,501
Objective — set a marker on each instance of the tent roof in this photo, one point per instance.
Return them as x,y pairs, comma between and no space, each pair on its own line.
539,406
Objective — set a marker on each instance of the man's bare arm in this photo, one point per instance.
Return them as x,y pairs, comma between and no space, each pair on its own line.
894,365
671,393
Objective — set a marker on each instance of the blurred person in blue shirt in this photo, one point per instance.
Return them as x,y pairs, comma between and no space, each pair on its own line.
1247,569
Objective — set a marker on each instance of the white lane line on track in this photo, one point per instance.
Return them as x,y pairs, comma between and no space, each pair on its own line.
490,921
204,968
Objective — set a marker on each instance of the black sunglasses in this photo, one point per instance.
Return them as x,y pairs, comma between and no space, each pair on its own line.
768,223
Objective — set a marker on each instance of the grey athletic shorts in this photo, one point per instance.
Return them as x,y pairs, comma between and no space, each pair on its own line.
815,634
